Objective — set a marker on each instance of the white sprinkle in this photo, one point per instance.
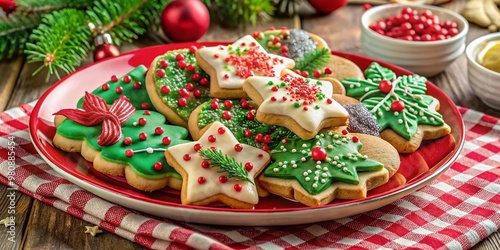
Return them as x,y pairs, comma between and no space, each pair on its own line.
379,114
318,162
149,150
304,145
316,172
308,179
315,185
349,155
294,166
338,142
328,159
284,166
280,164
336,136
387,109
324,175
325,169
276,170
309,171
330,146
344,169
396,113
318,143
432,119
303,159
135,123
339,165
424,118
318,166
303,151
400,121
294,150
330,133
323,181
292,162
367,89
336,157
316,178
306,173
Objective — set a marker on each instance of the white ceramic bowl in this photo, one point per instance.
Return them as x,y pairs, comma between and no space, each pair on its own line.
484,82
424,58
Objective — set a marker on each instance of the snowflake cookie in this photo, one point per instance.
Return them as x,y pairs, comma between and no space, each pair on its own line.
405,114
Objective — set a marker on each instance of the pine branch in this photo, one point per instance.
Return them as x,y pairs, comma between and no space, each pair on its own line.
314,59
225,163
62,41
15,31
238,13
46,6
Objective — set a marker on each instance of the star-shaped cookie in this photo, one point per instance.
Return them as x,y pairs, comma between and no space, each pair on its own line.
303,105
228,66
218,168
93,230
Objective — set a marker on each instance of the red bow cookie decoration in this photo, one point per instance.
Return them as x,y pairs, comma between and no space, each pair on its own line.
96,111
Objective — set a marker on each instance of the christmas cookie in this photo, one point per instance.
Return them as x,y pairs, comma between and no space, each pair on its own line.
177,85
405,114
239,117
303,105
329,166
230,65
310,52
218,168
122,141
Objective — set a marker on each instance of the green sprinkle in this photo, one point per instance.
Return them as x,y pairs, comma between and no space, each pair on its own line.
296,105
270,83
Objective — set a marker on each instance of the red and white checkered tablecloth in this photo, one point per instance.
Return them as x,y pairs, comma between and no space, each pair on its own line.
456,211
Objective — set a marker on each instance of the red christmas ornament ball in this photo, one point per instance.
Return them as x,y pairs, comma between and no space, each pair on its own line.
8,6
104,51
327,6
185,20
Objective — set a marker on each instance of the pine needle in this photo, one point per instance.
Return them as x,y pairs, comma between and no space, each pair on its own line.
314,59
225,163
15,31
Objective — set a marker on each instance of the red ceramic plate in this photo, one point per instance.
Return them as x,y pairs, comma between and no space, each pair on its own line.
419,168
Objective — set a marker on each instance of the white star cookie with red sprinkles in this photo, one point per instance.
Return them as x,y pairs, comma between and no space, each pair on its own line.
303,105
228,66
217,168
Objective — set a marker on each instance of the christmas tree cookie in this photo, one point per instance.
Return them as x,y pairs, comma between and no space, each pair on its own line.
218,168
230,65
122,141
303,105
405,114
177,85
329,166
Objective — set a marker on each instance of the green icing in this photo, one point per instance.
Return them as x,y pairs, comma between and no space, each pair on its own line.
410,89
239,123
138,95
142,162
176,79
292,159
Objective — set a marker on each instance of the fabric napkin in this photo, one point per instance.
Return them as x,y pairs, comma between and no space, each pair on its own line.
456,211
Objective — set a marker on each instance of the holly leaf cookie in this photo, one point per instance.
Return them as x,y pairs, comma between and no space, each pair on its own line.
303,105
229,66
122,142
405,114
177,85
218,168
329,166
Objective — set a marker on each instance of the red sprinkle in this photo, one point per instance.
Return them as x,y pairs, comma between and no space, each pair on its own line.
179,57
144,106
166,140
248,133
223,179
184,92
250,115
160,72
197,93
197,147
159,130
355,139
205,164
221,130
127,141
214,105
165,89
265,148
259,138
228,104
328,71
142,121
201,180
163,64
192,49
196,77
190,68
158,166
204,82
129,152
212,138
248,166
105,87
137,85
182,102
114,78
119,89
143,136
181,64
127,79
238,147
345,132
186,157
237,187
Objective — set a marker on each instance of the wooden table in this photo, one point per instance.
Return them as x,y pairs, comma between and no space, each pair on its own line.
40,226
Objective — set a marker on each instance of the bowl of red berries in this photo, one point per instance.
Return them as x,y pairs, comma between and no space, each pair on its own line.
422,39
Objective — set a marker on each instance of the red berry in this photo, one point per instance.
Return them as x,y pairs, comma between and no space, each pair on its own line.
248,166
345,132
192,49
265,147
144,106
165,89
248,133
183,92
222,179
160,72
259,138
227,115
166,140
119,89
186,157
143,136
250,115
114,78
205,164
304,73
228,104
317,73
385,86
127,141
266,139
163,64
179,57
212,138
182,102
328,71
181,64
214,105
238,147
190,68
221,130
319,154
129,152
355,139
204,82
201,180
397,106
142,121
196,77
197,147
127,79
105,87
189,87
137,85
237,187
407,10
159,130
197,93
158,166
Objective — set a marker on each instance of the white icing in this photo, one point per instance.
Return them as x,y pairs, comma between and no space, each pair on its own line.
225,142
219,64
311,119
